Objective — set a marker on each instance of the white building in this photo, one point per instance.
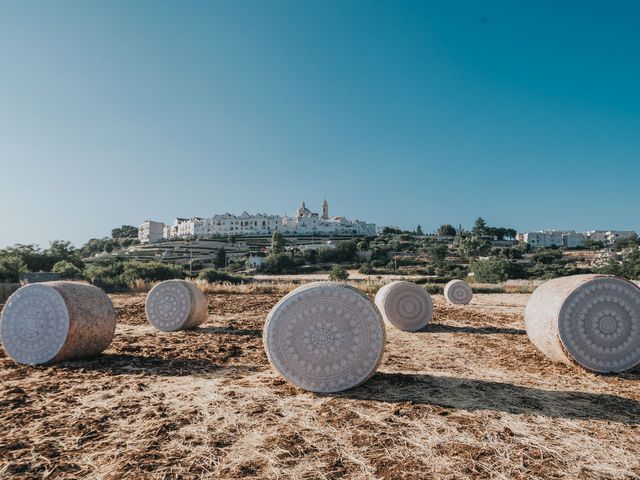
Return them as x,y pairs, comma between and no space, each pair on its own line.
545,238
304,222
608,237
150,231
573,239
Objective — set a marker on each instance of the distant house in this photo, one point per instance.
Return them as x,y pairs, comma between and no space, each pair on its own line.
150,231
571,238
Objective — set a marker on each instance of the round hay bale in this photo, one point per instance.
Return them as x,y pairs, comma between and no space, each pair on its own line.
405,305
324,337
54,321
591,320
175,305
458,292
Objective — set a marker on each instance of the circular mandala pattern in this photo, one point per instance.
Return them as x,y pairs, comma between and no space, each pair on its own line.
405,305
34,324
168,305
324,337
599,325
458,292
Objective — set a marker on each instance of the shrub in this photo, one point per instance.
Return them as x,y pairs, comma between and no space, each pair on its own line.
366,269
338,274
488,289
212,275
151,271
114,275
67,270
496,270
311,256
279,263
434,289
107,274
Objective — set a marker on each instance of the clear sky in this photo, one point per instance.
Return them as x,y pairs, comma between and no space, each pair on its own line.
398,112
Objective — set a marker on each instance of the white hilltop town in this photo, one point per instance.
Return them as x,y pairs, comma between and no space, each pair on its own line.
304,222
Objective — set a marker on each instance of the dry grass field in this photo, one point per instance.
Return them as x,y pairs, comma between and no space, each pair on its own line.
467,397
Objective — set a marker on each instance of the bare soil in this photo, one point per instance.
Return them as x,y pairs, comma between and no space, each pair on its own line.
467,397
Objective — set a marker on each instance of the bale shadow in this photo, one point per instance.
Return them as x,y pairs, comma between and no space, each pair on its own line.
488,330
229,331
471,395
127,364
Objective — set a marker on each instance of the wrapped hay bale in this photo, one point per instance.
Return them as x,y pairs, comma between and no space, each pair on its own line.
458,292
324,337
591,320
405,305
175,305
54,321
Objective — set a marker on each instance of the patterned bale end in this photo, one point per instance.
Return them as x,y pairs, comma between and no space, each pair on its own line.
591,320
458,292
324,337
175,305
405,305
55,321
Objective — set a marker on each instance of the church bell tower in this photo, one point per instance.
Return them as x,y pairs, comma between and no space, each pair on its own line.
325,210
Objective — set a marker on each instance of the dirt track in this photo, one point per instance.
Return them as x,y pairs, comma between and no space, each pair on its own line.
470,396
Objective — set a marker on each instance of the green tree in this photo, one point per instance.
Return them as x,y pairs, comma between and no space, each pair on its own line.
277,243
279,263
419,230
67,270
438,252
311,256
34,259
631,265
92,247
125,231
446,231
473,247
11,266
220,260
479,227
338,274
232,239
64,250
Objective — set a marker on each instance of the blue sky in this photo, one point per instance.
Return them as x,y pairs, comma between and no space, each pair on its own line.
398,112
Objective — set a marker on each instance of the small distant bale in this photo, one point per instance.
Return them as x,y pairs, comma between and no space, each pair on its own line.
589,320
324,337
55,321
405,305
175,305
458,292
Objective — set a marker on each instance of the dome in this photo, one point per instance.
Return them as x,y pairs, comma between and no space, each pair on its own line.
303,211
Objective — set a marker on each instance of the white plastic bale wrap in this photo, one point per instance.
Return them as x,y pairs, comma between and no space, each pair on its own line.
324,337
591,320
175,305
405,305
54,321
458,292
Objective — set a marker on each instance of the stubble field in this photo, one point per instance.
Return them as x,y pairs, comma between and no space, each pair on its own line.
467,397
